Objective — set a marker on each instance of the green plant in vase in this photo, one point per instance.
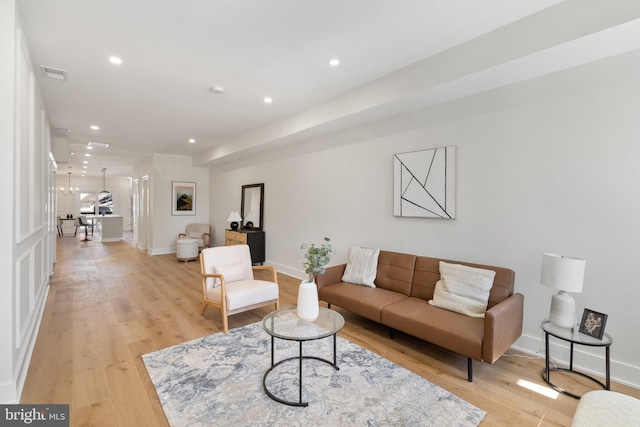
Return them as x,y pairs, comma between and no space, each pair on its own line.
317,258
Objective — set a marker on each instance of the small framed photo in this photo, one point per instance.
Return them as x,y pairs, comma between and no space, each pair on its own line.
183,198
593,323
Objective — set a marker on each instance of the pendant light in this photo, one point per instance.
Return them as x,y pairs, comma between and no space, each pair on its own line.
69,189
104,188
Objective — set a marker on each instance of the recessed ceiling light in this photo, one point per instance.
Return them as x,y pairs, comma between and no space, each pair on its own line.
218,90
115,60
87,155
85,162
268,100
192,141
334,62
94,127
89,148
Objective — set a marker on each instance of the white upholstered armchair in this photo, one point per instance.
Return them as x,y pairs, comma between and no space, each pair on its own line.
200,232
228,282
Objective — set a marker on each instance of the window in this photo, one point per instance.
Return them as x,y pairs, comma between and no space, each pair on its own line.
87,203
96,203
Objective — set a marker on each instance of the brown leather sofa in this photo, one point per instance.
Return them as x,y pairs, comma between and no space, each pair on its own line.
404,284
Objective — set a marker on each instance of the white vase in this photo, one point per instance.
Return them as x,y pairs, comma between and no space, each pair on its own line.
308,301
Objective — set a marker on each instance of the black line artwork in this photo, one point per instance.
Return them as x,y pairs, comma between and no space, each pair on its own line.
424,183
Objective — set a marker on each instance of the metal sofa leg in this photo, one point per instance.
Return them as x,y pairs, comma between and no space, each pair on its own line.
469,369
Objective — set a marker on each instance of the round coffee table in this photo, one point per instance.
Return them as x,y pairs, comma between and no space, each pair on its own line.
286,325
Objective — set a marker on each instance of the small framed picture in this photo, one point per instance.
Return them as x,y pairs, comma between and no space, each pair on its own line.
593,323
184,198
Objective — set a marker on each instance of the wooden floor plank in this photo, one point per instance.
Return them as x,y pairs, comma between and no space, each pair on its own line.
109,304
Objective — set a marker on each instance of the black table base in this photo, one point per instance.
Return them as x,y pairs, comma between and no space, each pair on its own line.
300,357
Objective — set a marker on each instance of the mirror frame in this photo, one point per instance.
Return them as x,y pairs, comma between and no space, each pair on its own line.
248,187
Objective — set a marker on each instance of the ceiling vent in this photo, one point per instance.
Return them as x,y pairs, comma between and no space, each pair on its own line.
62,130
53,73
97,144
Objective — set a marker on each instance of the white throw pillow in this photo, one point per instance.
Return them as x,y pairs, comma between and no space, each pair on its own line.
231,272
362,266
463,289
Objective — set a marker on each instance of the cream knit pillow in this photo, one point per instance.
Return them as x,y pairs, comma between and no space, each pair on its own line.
362,266
463,289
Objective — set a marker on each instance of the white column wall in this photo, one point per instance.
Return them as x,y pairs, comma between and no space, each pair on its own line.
27,230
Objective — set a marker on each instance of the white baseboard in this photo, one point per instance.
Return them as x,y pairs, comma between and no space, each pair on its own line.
162,251
298,274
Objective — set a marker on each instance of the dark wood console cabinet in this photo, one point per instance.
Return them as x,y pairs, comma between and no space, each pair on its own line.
253,238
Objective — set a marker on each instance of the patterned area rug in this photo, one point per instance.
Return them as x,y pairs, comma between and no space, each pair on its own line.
217,381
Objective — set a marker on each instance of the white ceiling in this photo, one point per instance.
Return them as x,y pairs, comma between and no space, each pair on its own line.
174,51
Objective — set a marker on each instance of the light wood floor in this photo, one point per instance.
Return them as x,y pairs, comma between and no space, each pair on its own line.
110,303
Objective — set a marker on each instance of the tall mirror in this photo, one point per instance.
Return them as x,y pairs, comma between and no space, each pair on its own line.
252,206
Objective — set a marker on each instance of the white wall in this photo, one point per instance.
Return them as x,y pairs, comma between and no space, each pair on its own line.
162,170
26,228
548,165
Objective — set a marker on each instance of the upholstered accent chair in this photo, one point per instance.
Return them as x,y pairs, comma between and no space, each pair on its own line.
229,285
82,221
200,232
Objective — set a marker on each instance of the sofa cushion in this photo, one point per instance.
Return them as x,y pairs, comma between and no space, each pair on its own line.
362,266
395,271
364,301
447,329
463,289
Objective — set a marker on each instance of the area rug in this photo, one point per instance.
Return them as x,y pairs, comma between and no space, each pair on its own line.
217,381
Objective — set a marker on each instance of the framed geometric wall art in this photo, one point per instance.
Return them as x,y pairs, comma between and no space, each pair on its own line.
183,198
425,183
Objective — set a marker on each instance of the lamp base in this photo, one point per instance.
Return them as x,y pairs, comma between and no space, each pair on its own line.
563,310
234,225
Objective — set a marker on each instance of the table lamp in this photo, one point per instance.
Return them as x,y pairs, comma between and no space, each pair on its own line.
248,219
566,274
234,217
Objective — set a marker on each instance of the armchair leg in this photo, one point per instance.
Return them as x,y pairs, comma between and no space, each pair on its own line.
469,369
225,323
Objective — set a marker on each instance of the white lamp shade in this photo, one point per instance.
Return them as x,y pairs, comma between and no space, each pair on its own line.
250,217
562,272
234,216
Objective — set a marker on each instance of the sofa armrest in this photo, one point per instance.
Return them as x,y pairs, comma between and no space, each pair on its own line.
331,275
502,327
